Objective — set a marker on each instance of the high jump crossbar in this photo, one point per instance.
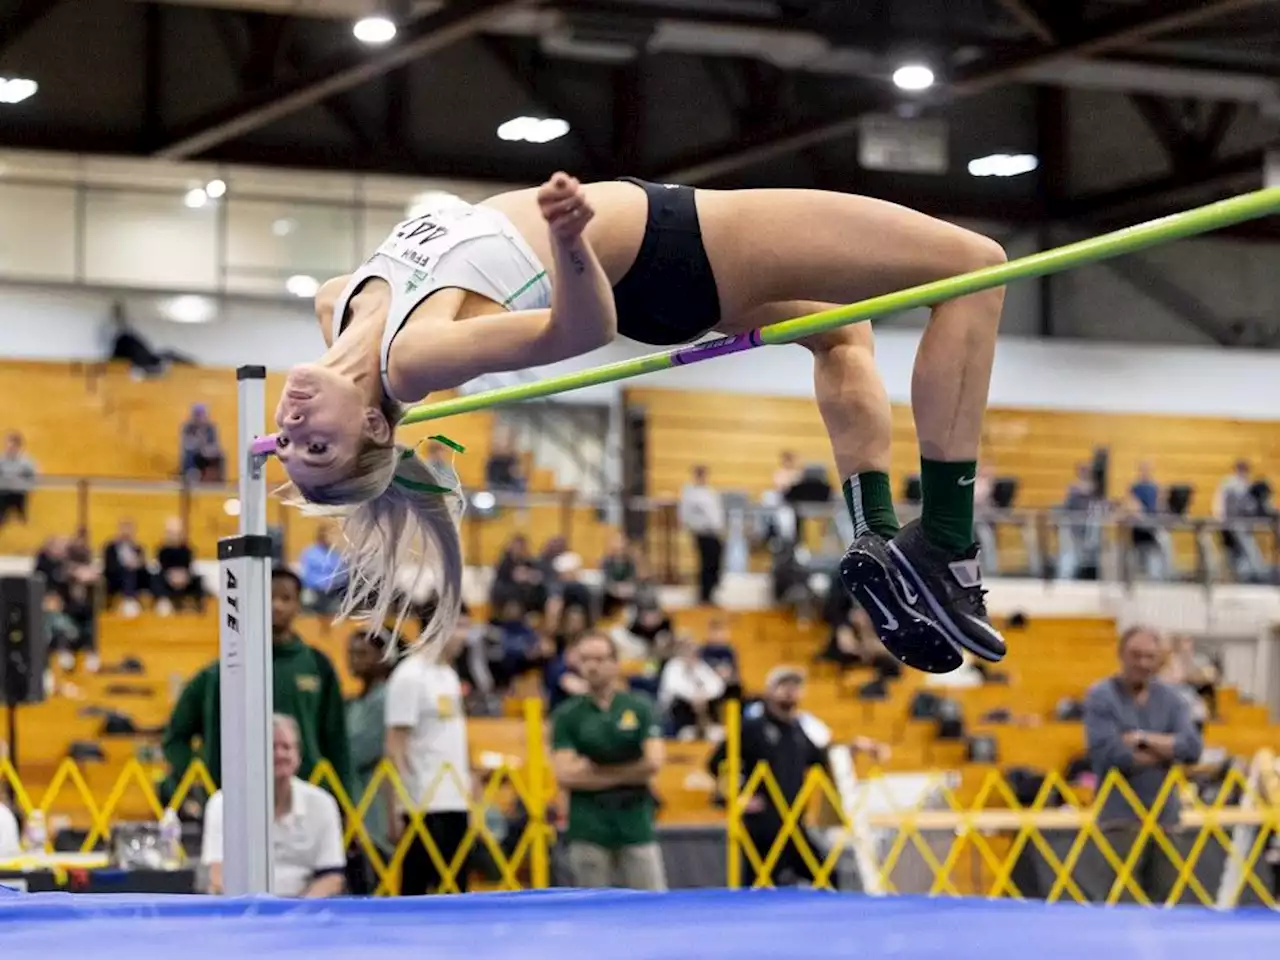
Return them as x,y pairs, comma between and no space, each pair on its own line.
1189,223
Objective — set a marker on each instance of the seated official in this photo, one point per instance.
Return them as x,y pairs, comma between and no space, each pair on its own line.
306,831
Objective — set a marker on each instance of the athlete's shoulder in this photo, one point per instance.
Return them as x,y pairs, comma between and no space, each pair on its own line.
326,297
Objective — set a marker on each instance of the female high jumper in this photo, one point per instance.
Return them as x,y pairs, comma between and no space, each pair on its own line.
535,276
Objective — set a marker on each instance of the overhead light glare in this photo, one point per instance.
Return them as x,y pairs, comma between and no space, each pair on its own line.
374,30
1003,165
215,189
17,89
301,285
913,77
533,129
196,198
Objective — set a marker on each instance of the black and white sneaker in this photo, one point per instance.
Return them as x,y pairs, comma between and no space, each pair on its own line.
870,574
950,591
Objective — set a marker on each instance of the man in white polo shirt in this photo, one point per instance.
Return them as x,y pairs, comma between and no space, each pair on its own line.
427,742
306,833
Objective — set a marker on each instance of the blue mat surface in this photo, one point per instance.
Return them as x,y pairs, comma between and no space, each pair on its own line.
615,925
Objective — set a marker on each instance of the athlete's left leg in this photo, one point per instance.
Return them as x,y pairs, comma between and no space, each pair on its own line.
856,412
772,245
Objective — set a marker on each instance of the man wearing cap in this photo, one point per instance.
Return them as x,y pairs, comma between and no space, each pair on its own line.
790,742
606,748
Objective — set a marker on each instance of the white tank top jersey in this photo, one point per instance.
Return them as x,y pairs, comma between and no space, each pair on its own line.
454,245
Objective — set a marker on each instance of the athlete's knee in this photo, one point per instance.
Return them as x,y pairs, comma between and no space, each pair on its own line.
981,251
853,338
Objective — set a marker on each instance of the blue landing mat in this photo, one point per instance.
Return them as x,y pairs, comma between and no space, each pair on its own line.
615,925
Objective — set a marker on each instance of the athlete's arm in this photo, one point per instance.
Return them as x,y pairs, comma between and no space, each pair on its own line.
326,296
582,315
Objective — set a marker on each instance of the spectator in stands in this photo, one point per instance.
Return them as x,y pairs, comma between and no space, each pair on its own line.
790,742
563,676
1148,539
472,664
10,837
427,743
702,515
718,651
306,829
1236,506
323,573
176,582
369,664
514,646
1140,727
618,571
567,591
305,686
854,643
573,624
124,567
648,635
517,576
502,473
691,694
606,749
1197,672
788,473
17,476
1079,535
201,453
71,626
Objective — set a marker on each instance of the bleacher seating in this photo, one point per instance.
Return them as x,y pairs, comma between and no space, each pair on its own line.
739,438
98,423
1051,660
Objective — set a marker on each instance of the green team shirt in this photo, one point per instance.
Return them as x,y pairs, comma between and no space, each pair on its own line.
620,816
305,686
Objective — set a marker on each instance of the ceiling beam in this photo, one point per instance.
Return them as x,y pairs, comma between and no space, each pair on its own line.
28,15
1100,206
453,23
1109,34
1029,20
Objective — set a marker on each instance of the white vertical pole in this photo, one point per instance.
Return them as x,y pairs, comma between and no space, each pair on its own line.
245,658
1271,172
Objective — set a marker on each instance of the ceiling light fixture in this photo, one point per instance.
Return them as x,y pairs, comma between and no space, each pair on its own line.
374,30
533,130
913,77
1003,165
300,285
196,198
17,89
215,189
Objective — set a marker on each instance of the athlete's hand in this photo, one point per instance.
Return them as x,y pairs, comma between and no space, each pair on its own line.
564,206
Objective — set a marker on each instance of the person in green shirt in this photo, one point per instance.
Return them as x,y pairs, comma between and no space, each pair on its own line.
305,687
606,748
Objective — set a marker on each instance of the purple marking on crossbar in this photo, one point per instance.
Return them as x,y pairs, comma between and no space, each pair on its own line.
697,352
264,445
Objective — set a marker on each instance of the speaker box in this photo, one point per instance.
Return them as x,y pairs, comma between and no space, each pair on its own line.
23,641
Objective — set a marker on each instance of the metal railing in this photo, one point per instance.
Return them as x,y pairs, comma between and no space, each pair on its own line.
1039,543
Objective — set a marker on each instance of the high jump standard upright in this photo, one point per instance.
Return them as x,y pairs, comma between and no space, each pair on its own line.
244,571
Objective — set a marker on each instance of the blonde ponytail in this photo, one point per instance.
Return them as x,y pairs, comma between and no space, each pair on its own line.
397,514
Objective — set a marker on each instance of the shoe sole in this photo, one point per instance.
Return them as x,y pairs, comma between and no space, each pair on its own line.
909,637
940,617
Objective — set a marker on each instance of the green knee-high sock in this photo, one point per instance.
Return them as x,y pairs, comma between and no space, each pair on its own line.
946,488
870,503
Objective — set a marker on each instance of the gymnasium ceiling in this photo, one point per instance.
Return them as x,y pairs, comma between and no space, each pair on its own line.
1135,107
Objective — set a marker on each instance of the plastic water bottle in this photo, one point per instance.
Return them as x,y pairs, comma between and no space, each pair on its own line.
34,834
171,839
